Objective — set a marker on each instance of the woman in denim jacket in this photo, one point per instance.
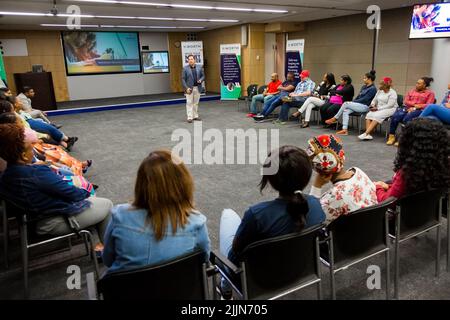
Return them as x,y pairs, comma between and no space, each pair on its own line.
161,223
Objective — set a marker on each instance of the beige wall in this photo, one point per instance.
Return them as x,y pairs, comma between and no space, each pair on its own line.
344,45
44,47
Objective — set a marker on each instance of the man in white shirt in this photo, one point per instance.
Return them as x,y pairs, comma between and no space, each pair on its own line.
25,99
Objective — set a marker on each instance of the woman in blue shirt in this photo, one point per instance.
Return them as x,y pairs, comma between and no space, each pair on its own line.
359,104
291,212
161,223
42,192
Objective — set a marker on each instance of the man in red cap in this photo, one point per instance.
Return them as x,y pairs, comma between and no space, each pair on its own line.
304,89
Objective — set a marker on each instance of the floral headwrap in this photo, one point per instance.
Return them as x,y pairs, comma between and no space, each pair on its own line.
326,153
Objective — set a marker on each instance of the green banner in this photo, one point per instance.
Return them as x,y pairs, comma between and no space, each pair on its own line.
2,68
230,73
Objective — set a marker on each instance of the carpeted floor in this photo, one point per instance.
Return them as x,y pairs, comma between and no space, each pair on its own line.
117,141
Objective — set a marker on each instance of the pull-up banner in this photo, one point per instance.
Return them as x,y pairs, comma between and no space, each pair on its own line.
194,48
2,70
230,71
294,57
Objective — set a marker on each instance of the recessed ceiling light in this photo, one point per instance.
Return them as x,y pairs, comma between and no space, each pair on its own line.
184,6
65,25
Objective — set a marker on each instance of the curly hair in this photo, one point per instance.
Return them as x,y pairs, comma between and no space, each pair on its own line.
6,107
12,144
423,155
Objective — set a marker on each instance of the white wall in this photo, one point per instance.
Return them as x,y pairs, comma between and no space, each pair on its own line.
120,85
440,67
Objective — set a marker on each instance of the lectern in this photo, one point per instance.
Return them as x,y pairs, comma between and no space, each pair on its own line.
42,83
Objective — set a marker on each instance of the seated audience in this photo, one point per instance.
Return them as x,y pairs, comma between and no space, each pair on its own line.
5,92
271,104
161,223
422,161
382,107
440,112
342,93
320,96
360,104
42,192
290,212
25,99
351,189
269,92
40,126
303,90
414,102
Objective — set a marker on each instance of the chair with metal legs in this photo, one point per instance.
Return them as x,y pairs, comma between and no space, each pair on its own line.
356,237
28,241
416,214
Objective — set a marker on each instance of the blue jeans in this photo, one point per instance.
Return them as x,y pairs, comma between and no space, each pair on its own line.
43,127
297,102
229,223
271,105
348,108
437,111
260,98
401,115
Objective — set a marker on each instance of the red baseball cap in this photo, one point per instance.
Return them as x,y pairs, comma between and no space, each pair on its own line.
304,74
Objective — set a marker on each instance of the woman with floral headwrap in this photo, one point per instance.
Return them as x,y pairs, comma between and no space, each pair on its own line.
351,190
382,107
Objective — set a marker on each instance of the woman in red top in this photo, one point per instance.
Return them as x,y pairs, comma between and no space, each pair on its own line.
422,161
414,103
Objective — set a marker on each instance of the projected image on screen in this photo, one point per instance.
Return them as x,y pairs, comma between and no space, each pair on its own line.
101,52
430,21
155,62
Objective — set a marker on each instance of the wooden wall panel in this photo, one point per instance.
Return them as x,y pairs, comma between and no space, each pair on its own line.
44,47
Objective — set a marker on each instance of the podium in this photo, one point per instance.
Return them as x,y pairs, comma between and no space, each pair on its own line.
42,83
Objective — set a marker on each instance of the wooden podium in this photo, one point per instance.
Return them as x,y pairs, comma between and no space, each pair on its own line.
42,83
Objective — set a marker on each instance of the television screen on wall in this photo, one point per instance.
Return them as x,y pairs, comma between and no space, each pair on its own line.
89,52
155,62
430,21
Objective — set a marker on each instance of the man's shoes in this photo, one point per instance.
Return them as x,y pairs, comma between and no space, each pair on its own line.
71,142
95,186
250,115
280,122
189,120
305,125
57,126
259,117
197,119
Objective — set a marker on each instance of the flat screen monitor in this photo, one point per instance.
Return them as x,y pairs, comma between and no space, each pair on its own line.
89,52
155,62
430,21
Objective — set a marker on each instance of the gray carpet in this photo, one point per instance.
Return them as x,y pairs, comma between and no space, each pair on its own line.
117,141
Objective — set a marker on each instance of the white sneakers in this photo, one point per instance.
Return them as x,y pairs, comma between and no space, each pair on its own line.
365,136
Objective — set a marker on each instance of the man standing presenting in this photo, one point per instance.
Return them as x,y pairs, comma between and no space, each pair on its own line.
192,78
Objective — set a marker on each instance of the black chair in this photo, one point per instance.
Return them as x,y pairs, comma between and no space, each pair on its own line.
275,267
184,278
446,214
261,89
360,117
251,91
30,240
415,215
356,237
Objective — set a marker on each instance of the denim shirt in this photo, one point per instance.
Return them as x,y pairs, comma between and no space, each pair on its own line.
41,191
130,242
366,94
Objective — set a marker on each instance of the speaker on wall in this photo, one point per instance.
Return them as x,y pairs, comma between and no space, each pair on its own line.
244,35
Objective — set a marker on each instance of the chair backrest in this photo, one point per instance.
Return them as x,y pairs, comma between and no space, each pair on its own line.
183,278
400,100
274,265
420,210
360,233
261,89
252,90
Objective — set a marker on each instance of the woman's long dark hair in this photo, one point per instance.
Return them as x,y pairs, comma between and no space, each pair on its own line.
330,79
423,155
347,79
293,175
